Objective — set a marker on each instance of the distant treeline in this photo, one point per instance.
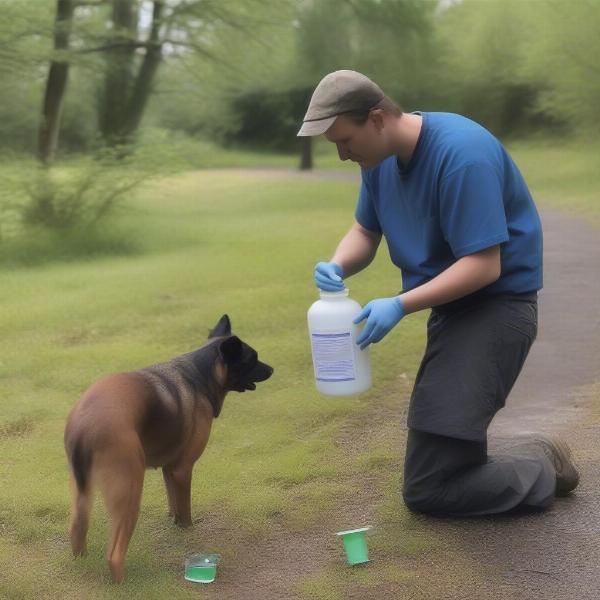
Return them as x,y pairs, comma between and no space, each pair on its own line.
241,71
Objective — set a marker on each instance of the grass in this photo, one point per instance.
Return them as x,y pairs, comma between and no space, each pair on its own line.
564,174
397,536
207,156
204,244
187,249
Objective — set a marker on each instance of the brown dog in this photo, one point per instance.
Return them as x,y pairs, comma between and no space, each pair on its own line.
159,416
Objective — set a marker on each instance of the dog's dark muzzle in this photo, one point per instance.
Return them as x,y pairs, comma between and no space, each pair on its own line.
261,372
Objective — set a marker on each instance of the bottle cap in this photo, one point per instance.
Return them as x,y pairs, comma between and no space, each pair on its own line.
340,294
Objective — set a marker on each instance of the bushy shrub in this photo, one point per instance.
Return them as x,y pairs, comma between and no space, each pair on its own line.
77,193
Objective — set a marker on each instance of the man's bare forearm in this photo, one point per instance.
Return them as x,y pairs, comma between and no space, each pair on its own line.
467,275
356,250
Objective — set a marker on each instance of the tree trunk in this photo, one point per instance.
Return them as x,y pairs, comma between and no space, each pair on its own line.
56,84
142,88
306,159
126,95
120,65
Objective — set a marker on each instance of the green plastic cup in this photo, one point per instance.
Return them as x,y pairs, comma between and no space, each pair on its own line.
355,544
201,568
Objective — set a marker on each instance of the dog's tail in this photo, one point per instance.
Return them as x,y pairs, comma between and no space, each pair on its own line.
80,460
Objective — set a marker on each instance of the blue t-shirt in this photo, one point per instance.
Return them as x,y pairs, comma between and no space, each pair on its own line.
460,193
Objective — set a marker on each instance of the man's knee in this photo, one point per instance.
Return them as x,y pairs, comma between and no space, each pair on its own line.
420,499
431,463
423,470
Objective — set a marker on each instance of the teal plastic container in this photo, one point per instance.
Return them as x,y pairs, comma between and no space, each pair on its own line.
355,544
201,568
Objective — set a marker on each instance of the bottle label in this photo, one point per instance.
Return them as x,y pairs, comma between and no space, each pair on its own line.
333,356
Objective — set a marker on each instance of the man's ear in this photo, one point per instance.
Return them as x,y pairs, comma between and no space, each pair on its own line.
222,328
230,349
376,116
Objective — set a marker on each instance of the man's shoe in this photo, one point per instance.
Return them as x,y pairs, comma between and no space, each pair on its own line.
559,453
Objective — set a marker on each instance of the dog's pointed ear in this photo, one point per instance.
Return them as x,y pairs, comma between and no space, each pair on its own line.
222,328
230,349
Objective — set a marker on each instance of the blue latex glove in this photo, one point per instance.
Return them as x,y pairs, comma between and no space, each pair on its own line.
382,315
329,277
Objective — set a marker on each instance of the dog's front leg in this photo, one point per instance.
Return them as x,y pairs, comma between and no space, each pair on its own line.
178,481
170,487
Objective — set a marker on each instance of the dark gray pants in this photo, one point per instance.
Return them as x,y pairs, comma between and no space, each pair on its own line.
475,351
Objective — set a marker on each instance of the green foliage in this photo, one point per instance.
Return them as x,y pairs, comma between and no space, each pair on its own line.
393,42
80,194
482,47
25,30
242,72
61,203
520,66
63,199
561,56
269,119
243,75
517,67
261,95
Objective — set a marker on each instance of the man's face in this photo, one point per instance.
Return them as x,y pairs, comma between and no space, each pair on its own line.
365,144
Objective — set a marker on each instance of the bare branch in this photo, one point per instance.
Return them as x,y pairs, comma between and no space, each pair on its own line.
79,3
113,45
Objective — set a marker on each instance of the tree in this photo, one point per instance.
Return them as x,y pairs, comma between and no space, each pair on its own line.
126,92
560,56
133,56
24,34
132,36
57,82
483,51
391,41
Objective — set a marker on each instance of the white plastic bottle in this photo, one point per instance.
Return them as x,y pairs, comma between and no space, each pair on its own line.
341,367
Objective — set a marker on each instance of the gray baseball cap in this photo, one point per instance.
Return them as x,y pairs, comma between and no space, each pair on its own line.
338,93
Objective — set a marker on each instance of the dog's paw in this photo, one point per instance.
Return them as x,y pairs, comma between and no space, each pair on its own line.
183,523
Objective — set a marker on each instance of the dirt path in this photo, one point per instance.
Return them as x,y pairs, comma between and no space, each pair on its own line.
552,555
555,554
